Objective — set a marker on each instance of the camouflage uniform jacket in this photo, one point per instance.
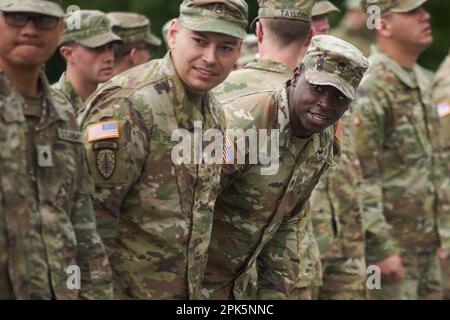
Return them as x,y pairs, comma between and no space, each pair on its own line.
262,75
155,216
257,76
397,145
68,91
47,223
257,217
441,93
336,203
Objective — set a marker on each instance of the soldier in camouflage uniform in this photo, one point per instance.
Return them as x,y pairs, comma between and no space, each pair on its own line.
270,72
88,51
47,225
154,212
353,27
398,146
441,93
258,216
139,42
336,206
282,26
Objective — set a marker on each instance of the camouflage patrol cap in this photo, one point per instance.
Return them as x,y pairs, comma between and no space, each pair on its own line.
228,17
48,7
285,9
323,7
396,6
93,31
335,62
353,5
133,27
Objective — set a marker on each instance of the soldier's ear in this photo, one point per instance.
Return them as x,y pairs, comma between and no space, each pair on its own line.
308,38
174,29
296,77
66,52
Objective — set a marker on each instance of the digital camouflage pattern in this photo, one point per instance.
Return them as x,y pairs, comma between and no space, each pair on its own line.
47,223
68,91
337,216
256,76
154,216
94,30
396,6
323,7
133,27
257,217
285,9
398,130
441,93
228,17
48,7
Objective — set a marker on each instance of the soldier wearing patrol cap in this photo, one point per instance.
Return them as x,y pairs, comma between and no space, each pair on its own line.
353,27
138,40
398,146
257,217
154,210
88,51
282,29
49,246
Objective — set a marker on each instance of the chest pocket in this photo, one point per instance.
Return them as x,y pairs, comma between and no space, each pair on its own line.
59,156
405,133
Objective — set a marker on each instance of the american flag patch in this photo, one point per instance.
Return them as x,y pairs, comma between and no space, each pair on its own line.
103,130
444,109
228,152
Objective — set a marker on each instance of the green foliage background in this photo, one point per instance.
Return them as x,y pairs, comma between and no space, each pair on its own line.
160,11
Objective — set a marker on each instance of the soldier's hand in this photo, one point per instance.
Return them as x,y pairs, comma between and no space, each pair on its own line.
392,268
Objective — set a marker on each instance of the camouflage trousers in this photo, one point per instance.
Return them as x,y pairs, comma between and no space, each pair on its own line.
422,281
445,265
343,279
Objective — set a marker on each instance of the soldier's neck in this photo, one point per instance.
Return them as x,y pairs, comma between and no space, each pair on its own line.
195,98
406,57
82,87
288,56
24,79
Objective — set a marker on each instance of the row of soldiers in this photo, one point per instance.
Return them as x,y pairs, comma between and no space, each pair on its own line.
88,177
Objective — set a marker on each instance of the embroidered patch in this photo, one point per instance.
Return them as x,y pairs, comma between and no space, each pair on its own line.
106,162
103,130
70,135
228,152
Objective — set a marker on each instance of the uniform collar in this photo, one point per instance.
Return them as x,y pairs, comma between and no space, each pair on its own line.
13,110
269,65
69,92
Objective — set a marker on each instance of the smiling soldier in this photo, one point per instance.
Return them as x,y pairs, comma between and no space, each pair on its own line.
154,215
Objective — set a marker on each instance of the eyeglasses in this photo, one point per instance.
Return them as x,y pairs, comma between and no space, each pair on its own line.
19,20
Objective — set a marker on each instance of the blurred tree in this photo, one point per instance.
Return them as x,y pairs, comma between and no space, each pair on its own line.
160,11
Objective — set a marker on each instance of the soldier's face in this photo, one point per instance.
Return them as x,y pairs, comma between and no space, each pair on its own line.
314,108
28,46
93,64
320,25
203,60
411,29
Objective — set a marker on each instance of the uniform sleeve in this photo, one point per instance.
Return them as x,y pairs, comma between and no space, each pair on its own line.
370,126
96,276
115,162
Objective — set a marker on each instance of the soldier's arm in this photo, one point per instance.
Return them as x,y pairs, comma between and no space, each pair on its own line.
96,276
115,163
370,128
